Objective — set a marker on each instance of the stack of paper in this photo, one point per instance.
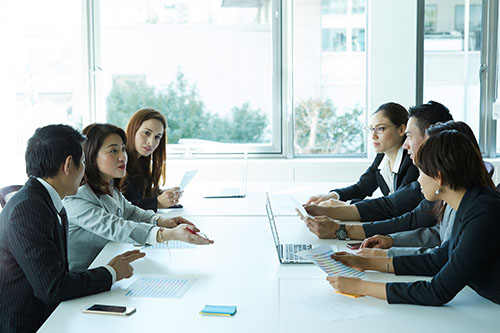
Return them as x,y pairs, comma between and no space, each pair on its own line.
218,310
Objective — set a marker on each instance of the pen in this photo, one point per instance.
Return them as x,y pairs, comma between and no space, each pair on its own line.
201,234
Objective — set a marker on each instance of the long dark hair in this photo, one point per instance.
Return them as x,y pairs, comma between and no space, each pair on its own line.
145,172
453,157
96,134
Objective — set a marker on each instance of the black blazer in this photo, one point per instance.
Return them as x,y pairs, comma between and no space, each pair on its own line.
422,216
469,258
34,277
372,179
134,195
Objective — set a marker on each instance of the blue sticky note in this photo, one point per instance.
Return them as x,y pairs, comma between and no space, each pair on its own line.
219,310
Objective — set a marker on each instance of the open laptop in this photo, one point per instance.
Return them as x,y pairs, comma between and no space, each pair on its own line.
286,252
232,192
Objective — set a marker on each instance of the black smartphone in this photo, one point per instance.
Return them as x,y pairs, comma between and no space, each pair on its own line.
110,309
354,246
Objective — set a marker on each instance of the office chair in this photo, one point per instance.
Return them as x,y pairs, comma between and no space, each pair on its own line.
6,190
489,167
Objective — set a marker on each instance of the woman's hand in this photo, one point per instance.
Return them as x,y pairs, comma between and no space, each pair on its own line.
346,285
378,241
172,222
169,197
372,253
185,233
351,260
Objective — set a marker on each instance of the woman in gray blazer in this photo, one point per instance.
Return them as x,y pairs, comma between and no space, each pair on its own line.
99,213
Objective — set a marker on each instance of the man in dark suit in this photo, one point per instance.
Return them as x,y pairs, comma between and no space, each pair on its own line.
34,276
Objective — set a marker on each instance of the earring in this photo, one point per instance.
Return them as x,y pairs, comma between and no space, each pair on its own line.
438,191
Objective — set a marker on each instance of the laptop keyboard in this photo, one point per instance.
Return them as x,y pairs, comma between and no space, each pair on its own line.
291,249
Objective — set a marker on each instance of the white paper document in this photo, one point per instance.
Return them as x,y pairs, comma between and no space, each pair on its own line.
299,206
320,256
159,287
334,307
188,176
173,244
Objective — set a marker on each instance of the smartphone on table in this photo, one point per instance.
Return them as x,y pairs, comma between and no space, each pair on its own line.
116,310
354,246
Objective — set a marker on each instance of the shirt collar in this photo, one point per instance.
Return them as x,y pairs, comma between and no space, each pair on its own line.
385,162
399,159
54,196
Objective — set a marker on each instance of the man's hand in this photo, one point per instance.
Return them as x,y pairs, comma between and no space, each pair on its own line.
121,263
377,241
316,210
316,199
322,226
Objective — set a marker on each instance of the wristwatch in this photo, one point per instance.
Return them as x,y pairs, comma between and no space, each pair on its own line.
341,232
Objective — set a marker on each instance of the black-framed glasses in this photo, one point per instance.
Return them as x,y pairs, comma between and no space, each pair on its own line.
377,130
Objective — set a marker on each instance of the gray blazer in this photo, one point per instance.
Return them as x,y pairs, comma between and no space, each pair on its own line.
423,240
94,220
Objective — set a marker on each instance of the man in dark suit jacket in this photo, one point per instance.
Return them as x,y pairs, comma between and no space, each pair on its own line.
34,276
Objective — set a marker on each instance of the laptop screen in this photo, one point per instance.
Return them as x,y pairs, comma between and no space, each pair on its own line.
272,223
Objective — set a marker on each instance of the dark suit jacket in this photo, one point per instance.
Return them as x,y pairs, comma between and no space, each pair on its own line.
34,277
134,195
422,216
470,257
372,180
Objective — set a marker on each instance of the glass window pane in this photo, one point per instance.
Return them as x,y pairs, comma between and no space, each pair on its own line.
451,75
41,77
336,7
329,80
206,65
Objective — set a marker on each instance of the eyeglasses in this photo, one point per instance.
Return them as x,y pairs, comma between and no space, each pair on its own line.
378,130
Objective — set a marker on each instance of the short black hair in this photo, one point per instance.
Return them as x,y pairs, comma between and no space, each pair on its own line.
49,147
429,113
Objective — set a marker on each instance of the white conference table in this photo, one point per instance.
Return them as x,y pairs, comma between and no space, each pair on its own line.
242,269
194,204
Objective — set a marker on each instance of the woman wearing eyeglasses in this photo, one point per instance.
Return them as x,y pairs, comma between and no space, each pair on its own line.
392,167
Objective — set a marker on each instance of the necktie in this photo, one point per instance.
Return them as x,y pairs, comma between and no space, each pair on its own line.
64,224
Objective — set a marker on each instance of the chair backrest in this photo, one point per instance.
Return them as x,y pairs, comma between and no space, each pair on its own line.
4,191
489,167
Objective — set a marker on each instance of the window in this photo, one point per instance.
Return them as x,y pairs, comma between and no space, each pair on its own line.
335,7
329,80
334,40
41,78
358,39
451,63
474,24
206,65
358,6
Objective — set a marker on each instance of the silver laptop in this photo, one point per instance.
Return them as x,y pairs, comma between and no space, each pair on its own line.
232,192
286,252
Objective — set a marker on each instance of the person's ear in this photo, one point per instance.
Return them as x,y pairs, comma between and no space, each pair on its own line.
402,130
66,167
439,179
